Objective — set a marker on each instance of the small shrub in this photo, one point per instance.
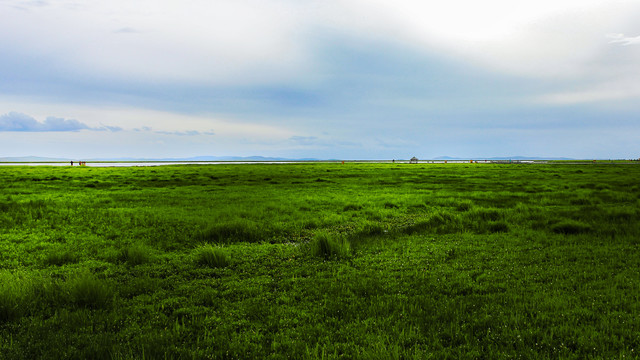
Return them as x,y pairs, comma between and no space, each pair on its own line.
88,292
211,256
570,227
328,246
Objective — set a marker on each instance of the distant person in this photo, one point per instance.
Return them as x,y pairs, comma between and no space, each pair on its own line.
71,162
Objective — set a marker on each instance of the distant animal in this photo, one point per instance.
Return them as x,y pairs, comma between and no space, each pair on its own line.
414,160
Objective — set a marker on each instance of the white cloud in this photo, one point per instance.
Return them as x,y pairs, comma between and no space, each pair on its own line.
256,41
586,96
15,121
183,55
539,39
304,140
196,41
152,121
623,40
185,133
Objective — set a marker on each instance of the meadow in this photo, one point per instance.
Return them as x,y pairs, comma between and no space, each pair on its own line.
320,261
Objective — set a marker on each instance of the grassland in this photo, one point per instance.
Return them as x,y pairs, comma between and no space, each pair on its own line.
306,261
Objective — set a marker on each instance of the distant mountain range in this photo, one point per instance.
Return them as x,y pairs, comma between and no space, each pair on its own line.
250,158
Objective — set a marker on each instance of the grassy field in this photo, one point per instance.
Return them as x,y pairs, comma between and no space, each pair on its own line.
369,261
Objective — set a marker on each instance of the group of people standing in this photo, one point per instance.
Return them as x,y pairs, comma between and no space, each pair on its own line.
80,163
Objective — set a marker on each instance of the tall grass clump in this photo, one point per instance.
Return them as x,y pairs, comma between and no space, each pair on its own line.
368,229
86,291
570,227
439,223
59,257
13,294
238,230
136,254
497,226
211,256
484,214
464,205
327,246
22,293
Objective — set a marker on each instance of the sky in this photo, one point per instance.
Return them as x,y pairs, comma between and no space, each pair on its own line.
342,79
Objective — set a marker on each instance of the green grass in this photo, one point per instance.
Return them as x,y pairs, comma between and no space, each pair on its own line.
136,254
310,261
329,246
86,291
214,257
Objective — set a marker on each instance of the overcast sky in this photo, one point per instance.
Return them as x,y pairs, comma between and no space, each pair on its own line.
346,79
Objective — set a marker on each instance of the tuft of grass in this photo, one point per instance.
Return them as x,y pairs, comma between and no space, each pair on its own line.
13,293
60,257
211,256
570,227
86,291
368,229
136,254
390,205
352,207
329,246
22,293
484,214
498,226
239,230
464,205
439,222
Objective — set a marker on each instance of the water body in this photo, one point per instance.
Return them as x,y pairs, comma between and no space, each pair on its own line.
144,163
167,163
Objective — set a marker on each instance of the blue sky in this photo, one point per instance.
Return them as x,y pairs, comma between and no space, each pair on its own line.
345,79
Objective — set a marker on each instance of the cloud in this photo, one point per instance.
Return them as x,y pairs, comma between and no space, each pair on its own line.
108,128
185,133
304,140
623,40
126,30
15,121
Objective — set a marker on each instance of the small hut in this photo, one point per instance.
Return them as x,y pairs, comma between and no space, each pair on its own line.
413,160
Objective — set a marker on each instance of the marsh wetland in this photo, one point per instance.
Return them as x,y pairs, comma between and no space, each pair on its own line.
320,261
